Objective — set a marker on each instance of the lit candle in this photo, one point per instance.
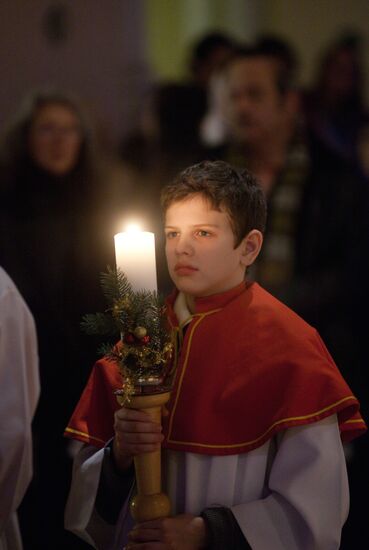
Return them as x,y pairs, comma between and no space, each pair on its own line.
135,257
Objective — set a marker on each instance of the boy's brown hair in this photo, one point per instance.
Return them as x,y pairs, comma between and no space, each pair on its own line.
237,192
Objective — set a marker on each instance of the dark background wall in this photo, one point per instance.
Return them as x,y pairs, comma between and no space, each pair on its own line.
93,48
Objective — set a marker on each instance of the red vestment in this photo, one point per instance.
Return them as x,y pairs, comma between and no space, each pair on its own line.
248,367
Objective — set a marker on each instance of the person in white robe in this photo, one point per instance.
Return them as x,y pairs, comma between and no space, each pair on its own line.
20,387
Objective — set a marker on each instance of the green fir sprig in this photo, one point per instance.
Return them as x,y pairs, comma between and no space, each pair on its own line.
137,319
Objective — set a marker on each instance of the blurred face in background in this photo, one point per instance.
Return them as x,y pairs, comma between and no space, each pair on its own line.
55,139
256,108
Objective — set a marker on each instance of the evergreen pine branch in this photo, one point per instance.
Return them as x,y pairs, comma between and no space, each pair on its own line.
99,323
114,285
107,350
128,310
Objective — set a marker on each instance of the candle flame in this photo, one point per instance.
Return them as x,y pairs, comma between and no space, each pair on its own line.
133,227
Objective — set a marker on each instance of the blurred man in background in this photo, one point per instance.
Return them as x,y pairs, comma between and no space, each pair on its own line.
312,250
314,254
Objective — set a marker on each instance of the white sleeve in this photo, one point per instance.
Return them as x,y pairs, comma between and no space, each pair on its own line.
20,386
81,500
80,515
308,498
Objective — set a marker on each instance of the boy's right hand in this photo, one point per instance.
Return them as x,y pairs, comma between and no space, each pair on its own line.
135,433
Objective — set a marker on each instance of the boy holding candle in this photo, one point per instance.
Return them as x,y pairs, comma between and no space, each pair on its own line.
253,454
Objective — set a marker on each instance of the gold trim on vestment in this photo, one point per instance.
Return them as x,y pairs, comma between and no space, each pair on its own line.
284,420
72,431
247,443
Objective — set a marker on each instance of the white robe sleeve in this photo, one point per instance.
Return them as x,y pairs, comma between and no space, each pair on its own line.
81,517
19,383
308,498
81,500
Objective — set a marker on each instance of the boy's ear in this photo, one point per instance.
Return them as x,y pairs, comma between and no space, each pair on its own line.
250,247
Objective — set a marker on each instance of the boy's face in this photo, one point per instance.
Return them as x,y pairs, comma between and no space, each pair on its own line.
200,249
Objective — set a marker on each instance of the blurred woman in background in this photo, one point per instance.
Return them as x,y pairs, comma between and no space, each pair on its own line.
56,228
335,109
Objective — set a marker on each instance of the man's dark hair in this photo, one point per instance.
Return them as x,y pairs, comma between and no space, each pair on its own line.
208,44
237,192
276,51
279,49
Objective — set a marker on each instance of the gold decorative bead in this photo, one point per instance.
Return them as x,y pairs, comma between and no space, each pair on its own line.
140,332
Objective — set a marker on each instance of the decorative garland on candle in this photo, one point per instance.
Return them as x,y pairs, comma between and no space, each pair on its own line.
138,321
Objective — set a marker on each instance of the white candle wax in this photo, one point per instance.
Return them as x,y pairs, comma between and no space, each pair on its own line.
135,256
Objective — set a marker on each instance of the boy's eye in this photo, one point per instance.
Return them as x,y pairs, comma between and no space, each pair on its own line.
203,233
171,234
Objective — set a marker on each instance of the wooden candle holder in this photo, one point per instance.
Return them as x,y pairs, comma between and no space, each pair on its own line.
149,503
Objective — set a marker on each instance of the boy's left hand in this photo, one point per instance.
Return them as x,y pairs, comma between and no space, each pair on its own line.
182,532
